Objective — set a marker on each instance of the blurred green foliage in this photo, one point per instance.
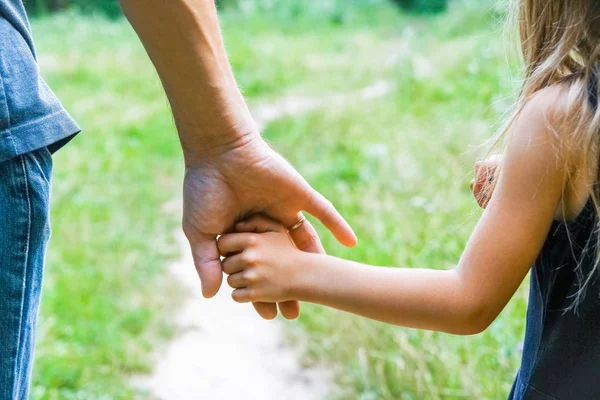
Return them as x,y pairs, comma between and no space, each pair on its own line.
397,166
423,6
109,8
285,9
107,296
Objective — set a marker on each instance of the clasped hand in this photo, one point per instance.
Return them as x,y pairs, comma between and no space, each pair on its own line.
244,178
261,261
263,264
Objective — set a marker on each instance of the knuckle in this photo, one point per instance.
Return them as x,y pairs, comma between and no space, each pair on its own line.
252,240
251,276
249,257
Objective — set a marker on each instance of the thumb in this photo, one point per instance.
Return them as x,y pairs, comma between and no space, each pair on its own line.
322,209
208,263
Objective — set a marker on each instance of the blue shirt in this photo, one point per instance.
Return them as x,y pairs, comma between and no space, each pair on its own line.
31,117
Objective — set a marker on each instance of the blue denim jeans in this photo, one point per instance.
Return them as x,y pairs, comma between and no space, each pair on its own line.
24,233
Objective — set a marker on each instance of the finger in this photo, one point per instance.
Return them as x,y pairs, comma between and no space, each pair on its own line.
237,281
476,188
235,242
482,194
478,193
259,224
207,263
232,264
305,238
485,171
242,295
483,199
266,310
481,180
289,309
324,211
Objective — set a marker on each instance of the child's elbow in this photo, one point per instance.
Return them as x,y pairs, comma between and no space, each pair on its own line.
474,328
474,321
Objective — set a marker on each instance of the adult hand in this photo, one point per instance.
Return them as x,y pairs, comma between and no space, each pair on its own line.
482,185
229,174
247,177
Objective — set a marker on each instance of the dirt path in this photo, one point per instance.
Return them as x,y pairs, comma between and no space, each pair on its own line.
224,350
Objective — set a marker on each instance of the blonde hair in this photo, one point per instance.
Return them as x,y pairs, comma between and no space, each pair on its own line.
560,45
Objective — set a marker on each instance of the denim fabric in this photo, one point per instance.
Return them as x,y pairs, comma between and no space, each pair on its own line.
24,232
14,12
31,117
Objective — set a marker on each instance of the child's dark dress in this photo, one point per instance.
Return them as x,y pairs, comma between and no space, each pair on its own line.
561,354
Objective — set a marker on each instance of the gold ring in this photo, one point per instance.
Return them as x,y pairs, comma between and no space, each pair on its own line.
297,224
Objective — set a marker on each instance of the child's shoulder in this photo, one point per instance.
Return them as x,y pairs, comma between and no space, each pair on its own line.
550,103
540,115
556,122
558,112
548,124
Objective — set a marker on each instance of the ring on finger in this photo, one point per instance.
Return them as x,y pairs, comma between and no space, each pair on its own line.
297,224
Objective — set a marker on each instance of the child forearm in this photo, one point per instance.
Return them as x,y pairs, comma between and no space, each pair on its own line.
417,298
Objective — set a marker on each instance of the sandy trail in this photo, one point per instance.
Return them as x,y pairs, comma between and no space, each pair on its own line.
224,350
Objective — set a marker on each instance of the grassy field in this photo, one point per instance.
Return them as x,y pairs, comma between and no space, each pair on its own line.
397,166
106,291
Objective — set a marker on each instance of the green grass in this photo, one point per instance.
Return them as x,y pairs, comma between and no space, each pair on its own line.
106,291
398,168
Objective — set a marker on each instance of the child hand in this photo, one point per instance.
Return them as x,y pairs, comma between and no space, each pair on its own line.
261,266
482,184
268,311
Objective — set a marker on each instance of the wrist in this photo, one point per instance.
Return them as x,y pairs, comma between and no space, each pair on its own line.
303,285
215,127
199,154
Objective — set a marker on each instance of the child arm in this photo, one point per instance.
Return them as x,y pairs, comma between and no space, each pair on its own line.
465,300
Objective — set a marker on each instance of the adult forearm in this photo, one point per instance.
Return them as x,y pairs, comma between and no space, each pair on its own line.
417,298
183,40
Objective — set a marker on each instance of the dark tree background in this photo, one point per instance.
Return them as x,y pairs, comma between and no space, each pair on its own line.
111,8
423,6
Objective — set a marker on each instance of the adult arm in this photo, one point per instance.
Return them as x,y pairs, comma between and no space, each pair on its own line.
230,171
